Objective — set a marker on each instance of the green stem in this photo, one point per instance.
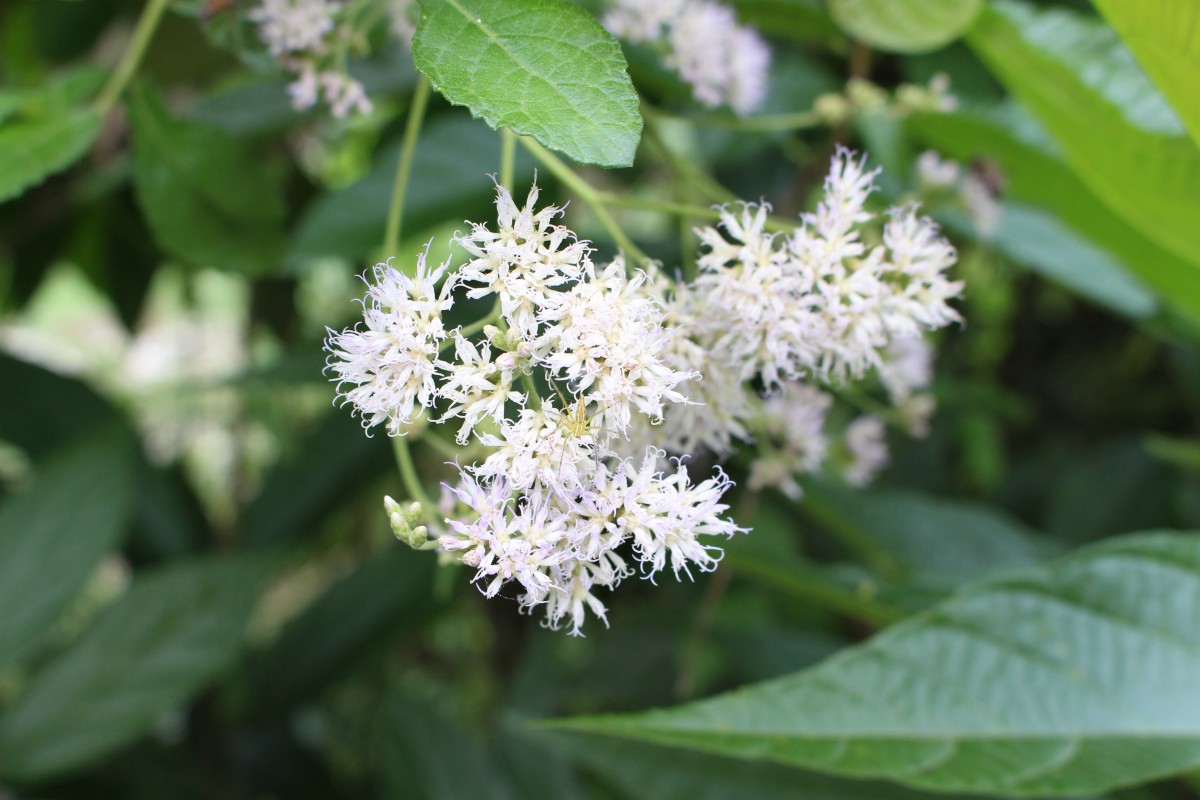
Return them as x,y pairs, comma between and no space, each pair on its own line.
776,224
818,591
800,120
408,148
408,472
508,152
579,186
475,327
879,560
531,387
142,34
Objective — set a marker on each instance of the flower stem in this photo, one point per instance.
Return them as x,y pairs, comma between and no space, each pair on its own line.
589,195
508,152
408,472
408,147
777,224
142,34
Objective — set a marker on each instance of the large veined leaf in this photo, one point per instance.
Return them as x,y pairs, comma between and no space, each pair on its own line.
1071,678
1165,37
209,199
544,68
53,535
171,634
1034,173
905,26
1115,130
33,150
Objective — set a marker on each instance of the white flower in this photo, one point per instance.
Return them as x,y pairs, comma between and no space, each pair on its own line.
724,63
793,422
866,443
289,26
523,261
305,91
386,370
907,367
606,340
641,20
477,387
666,514
344,94
542,446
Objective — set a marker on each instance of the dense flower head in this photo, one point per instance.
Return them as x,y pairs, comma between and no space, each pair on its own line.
725,63
585,392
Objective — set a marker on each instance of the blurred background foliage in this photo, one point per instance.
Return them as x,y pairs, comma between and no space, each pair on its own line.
199,593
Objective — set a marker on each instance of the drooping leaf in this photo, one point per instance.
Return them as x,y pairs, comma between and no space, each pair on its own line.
53,535
1072,678
905,26
33,150
164,640
1115,130
209,198
1165,37
544,68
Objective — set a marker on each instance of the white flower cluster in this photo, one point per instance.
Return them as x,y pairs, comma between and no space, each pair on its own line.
302,35
724,63
574,361
572,392
819,304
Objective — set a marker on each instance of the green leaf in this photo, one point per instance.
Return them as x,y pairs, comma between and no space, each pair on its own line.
545,69
1115,130
53,535
164,640
1165,37
209,198
1072,678
647,772
1034,173
803,20
33,150
905,26
382,600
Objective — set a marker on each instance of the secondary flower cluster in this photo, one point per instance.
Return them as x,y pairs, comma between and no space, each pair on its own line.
774,314
724,63
570,395
311,38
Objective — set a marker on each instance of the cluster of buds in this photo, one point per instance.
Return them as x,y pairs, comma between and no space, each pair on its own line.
864,97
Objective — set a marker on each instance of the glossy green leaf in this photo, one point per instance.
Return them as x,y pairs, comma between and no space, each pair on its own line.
905,26
1115,130
164,640
1044,245
544,68
1165,37
1035,174
33,150
1076,677
53,534
209,198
